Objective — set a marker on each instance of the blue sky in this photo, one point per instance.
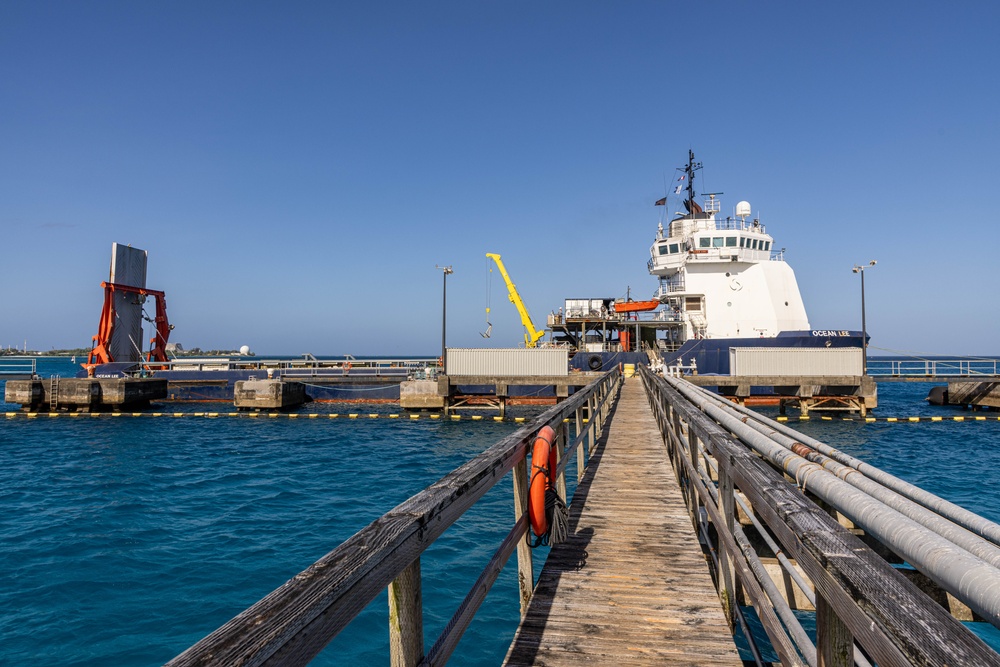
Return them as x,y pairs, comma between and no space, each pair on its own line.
296,170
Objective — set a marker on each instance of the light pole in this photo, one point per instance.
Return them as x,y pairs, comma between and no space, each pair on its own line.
864,327
444,309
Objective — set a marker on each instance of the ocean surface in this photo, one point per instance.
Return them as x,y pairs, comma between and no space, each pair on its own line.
125,540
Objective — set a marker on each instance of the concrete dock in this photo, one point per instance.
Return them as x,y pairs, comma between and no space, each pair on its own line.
84,394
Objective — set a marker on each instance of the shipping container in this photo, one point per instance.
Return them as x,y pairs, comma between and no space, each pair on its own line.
506,362
764,361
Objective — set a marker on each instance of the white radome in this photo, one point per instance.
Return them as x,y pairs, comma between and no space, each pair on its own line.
743,210
245,350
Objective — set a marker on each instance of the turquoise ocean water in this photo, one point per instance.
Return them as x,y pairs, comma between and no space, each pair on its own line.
125,540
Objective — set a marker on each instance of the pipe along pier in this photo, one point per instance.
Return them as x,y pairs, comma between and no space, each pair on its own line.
692,519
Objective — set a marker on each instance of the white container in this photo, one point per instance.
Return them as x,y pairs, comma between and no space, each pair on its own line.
506,362
805,361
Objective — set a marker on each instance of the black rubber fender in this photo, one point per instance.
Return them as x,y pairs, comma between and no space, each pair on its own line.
595,363
938,396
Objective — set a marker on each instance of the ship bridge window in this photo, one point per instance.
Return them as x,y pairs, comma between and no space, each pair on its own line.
767,245
730,241
674,249
663,249
717,242
755,244
704,242
742,242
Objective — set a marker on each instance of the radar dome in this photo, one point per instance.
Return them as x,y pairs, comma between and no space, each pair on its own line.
245,350
743,210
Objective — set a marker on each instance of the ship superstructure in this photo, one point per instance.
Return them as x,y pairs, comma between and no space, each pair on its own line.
723,278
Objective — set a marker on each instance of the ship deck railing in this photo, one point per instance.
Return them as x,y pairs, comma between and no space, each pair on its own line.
650,316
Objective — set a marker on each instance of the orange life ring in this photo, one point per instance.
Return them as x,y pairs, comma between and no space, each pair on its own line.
543,468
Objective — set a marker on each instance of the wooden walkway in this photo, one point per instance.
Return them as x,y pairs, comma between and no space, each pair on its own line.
631,586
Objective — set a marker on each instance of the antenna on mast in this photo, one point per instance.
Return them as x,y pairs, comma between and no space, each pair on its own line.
692,167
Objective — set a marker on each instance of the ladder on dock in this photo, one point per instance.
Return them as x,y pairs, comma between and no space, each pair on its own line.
631,585
53,393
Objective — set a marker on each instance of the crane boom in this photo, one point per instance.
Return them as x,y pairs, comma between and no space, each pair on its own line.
531,335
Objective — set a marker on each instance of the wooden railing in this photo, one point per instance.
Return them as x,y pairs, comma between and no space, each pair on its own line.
859,597
292,624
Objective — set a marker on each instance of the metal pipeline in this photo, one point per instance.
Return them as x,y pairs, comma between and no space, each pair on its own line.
786,564
792,625
959,515
947,529
969,578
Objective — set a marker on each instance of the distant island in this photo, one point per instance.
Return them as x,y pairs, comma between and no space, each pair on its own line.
84,351
77,352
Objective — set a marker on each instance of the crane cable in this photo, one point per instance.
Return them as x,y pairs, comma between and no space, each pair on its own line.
489,297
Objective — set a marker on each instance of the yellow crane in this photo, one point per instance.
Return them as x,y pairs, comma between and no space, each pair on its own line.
531,335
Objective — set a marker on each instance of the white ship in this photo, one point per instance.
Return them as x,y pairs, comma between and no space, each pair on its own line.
722,284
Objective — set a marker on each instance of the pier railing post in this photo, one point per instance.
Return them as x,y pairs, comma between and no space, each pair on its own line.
581,457
727,570
560,454
525,571
834,641
591,423
406,624
694,502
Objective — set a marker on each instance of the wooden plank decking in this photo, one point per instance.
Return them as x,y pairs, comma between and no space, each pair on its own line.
631,586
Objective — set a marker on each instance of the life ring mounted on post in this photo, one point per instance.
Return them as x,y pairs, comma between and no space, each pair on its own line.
543,467
547,512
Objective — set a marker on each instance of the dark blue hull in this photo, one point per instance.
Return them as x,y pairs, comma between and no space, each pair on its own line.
711,355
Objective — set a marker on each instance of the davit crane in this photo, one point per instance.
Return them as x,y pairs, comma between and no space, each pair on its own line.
531,335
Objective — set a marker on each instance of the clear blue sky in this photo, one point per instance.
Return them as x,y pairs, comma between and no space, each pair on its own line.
296,170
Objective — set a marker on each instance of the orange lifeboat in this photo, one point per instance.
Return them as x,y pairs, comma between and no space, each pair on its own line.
636,306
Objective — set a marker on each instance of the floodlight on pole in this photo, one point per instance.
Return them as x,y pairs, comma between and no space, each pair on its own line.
864,325
444,309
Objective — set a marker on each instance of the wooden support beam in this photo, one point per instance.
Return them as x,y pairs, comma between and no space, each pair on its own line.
406,620
525,571
834,641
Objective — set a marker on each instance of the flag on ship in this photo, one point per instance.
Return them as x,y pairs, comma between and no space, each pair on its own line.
661,202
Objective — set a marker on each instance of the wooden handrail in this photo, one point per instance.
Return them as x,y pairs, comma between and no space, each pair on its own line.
293,623
858,593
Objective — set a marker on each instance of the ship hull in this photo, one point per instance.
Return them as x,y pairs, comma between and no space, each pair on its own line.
711,355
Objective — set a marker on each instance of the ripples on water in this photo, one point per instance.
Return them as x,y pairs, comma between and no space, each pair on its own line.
126,540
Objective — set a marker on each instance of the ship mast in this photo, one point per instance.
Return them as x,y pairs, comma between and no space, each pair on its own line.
692,166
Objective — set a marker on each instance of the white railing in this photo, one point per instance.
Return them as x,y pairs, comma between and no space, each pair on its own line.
931,368
306,366
17,366
670,286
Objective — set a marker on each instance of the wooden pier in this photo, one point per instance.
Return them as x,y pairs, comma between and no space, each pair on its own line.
632,585
682,502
